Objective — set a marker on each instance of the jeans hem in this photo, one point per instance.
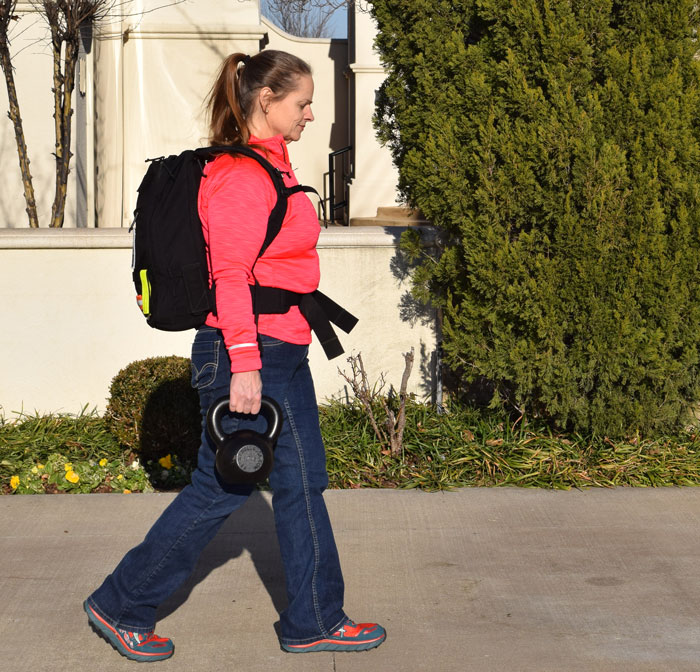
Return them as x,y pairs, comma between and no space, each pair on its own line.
140,629
317,638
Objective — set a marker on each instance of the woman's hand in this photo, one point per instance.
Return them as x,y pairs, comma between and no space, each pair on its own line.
246,392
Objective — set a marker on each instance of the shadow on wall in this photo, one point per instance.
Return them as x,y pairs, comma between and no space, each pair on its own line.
477,393
220,50
413,311
337,53
340,129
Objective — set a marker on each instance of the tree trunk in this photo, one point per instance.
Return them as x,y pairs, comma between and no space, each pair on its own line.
6,63
64,82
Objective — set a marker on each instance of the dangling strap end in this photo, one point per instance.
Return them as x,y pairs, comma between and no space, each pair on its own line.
334,312
332,348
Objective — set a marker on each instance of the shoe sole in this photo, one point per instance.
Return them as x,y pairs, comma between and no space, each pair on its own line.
107,632
334,645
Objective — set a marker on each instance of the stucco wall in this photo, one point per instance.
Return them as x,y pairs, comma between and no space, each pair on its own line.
375,176
70,321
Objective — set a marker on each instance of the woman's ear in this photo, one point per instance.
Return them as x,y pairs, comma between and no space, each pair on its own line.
265,97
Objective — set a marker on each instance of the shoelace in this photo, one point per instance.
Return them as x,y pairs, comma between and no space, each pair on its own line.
152,637
355,629
144,637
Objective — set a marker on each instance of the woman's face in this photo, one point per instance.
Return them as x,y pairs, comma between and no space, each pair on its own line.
289,115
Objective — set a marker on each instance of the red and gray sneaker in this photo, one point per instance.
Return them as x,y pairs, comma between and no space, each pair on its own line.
349,636
144,647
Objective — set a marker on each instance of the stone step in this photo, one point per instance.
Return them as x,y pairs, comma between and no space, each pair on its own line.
392,216
399,212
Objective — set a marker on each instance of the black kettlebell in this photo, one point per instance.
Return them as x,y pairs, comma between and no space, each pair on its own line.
245,456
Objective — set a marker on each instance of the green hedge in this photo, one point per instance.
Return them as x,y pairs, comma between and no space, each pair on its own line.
556,146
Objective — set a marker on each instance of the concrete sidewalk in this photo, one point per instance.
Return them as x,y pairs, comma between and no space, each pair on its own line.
478,579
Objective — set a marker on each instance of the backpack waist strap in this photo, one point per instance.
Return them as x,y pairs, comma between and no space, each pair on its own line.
318,310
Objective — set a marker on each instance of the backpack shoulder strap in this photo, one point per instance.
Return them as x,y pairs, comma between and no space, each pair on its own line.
311,190
283,192
274,222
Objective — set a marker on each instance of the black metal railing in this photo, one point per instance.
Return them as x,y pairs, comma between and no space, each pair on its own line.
339,205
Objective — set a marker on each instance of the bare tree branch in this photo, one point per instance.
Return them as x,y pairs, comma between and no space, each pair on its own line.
368,397
304,18
395,424
364,394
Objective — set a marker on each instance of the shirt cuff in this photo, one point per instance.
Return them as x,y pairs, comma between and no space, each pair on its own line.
245,357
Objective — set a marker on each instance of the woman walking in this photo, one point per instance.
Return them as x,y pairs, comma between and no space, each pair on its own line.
263,101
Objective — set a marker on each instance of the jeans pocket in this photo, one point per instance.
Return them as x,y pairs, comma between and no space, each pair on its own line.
205,363
270,341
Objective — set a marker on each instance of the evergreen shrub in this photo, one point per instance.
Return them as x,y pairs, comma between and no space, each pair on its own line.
154,411
555,144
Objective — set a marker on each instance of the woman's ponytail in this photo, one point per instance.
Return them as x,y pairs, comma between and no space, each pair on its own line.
227,125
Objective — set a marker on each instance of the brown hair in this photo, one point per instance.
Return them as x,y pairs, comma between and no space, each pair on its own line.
233,96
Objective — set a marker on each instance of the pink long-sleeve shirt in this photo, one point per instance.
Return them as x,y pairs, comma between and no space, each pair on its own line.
236,196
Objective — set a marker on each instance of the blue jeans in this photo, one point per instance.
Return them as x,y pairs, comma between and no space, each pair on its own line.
153,570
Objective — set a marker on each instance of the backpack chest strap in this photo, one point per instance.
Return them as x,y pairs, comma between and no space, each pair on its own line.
318,310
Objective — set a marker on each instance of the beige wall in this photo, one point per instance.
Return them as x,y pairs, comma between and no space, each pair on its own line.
375,177
70,321
149,71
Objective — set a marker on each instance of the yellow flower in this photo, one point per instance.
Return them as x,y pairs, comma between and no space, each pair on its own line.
127,492
35,470
103,461
72,477
14,482
166,462
68,466
40,466
120,477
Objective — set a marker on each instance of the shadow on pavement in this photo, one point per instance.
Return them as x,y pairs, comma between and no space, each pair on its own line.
252,529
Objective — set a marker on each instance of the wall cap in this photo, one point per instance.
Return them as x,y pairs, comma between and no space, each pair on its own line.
362,68
56,239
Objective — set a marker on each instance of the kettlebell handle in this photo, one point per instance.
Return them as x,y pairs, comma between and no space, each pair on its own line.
269,409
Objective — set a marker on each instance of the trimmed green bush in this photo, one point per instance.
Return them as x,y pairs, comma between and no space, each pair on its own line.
555,143
153,409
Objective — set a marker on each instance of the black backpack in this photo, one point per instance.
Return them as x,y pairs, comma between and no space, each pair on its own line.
170,270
